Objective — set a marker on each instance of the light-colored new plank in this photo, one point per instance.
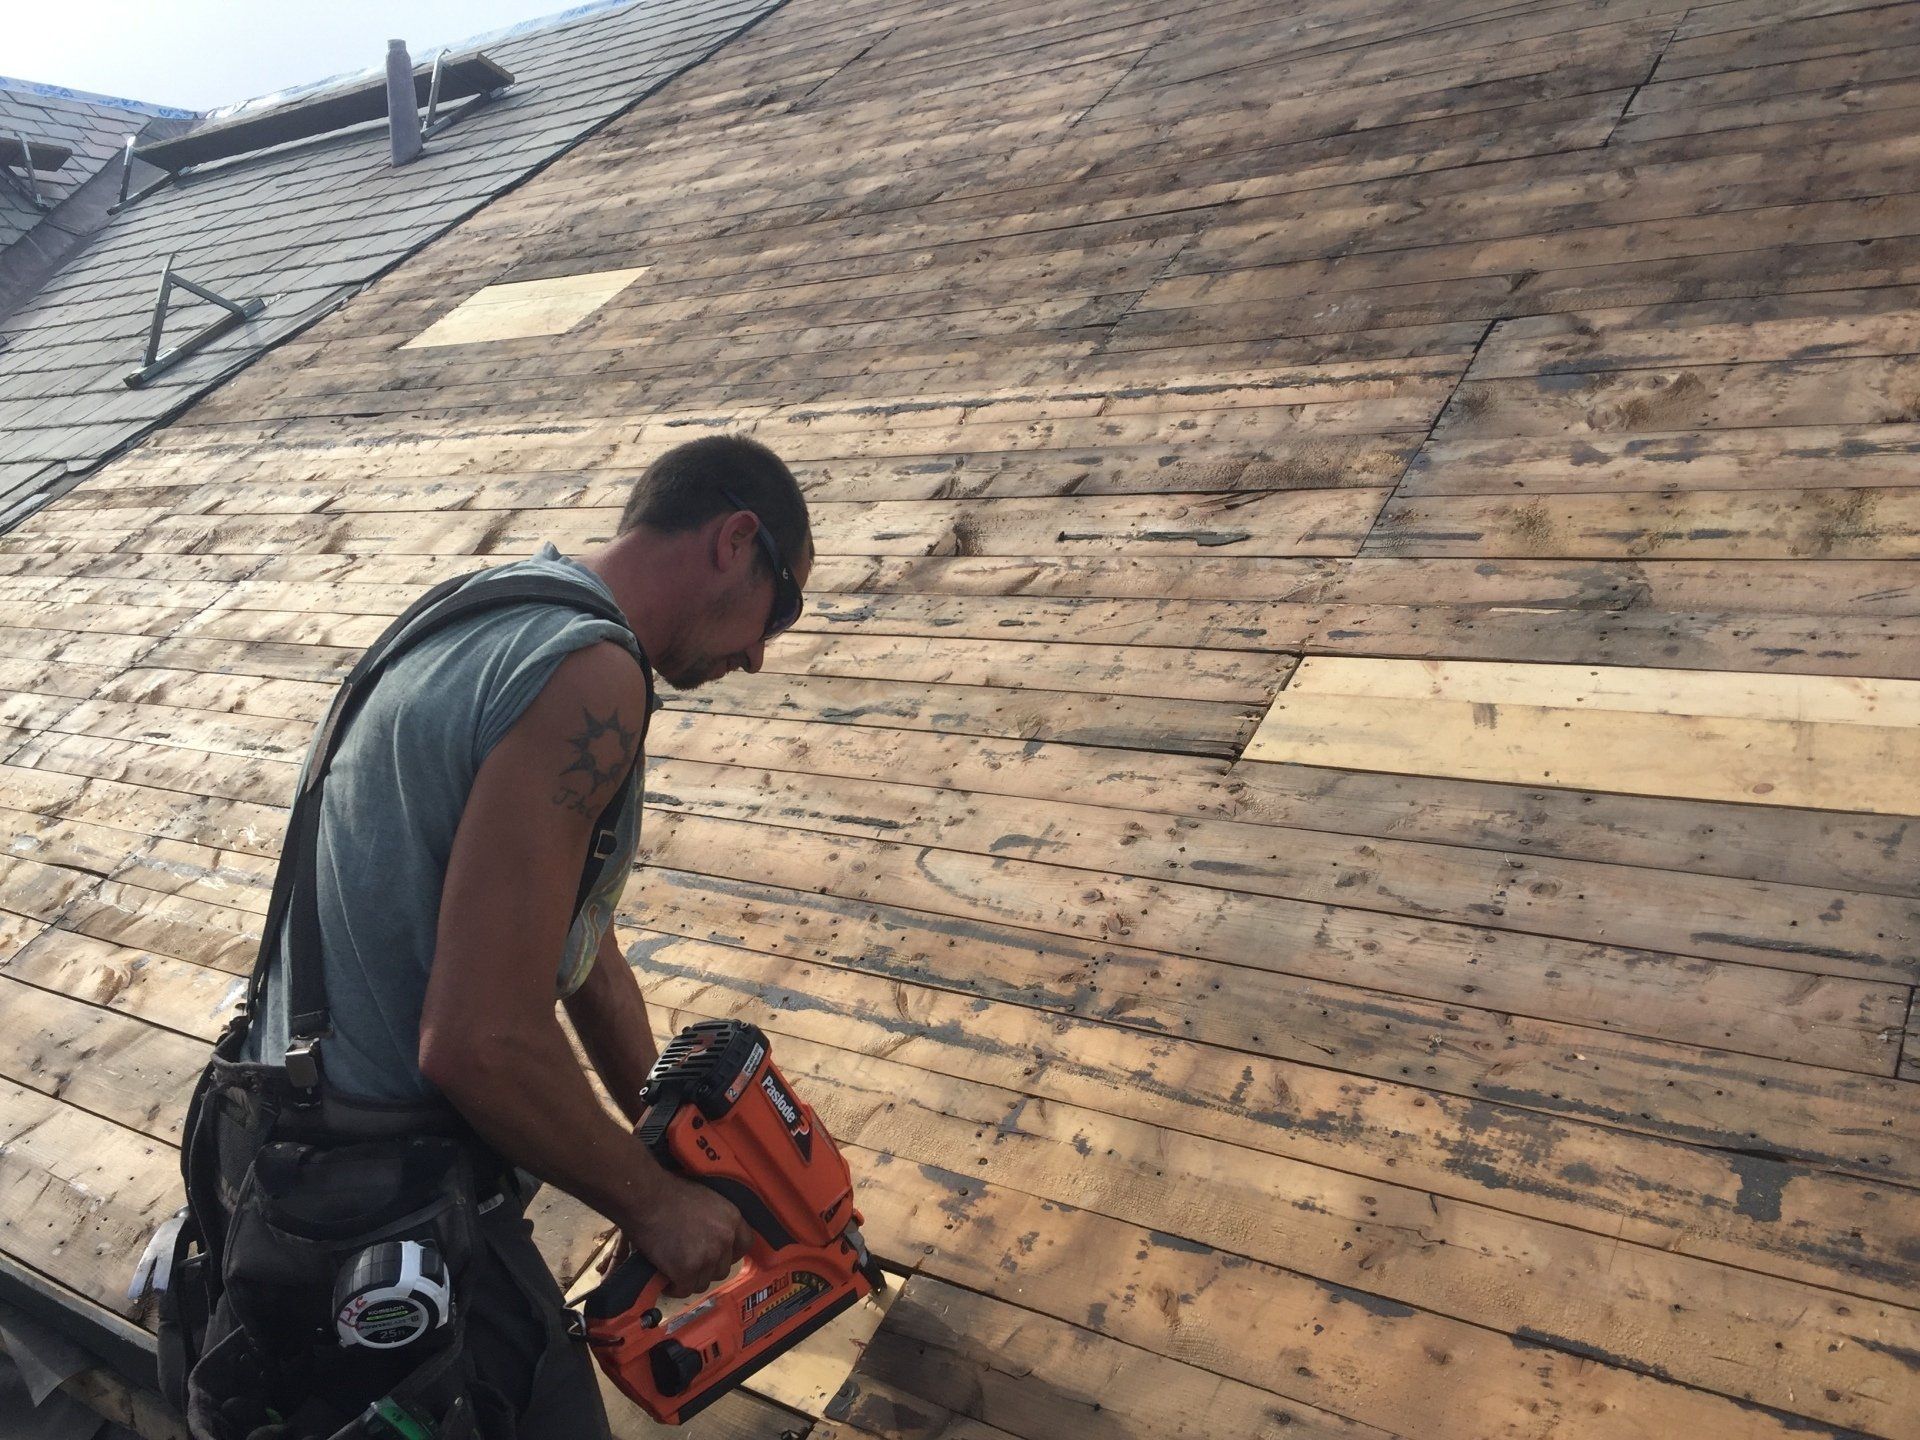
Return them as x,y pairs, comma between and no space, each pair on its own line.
1812,699
1822,765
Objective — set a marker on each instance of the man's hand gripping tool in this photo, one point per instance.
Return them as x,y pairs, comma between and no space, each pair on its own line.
718,1112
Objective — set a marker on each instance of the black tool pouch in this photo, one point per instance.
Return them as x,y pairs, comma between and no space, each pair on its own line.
216,1150
283,1191
300,1215
304,1211
236,1396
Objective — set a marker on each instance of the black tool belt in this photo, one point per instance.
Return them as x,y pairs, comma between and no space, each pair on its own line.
292,1186
285,1190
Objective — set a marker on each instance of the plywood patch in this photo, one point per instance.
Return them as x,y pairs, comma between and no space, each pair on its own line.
525,308
1815,741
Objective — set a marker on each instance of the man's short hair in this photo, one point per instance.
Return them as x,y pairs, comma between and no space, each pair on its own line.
683,489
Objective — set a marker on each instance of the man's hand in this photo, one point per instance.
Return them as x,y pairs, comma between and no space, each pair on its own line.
691,1234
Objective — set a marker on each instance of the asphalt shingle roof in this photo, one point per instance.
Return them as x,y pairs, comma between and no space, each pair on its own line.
94,127
304,226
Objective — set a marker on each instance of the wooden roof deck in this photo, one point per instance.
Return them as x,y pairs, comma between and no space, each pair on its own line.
1132,351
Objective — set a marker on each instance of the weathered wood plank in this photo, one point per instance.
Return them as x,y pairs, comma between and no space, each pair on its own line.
39,891
1853,524
1005,1136
1655,1191
195,773
164,993
1877,390
1830,325
1804,588
1724,640
1706,1096
1844,243
1789,105
1533,895
15,932
1727,37
1102,669
1182,726
1849,853
961,1360
1805,458
1243,1316
79,1195
209,935
136,1075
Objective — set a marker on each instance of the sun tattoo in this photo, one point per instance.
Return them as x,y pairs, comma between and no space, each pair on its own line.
602,752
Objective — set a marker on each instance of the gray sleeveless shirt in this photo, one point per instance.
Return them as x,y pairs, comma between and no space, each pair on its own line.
393,799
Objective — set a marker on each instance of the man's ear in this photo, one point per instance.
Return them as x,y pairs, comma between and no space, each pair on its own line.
733,540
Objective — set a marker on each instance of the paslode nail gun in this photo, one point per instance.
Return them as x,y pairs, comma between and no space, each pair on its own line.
719,1112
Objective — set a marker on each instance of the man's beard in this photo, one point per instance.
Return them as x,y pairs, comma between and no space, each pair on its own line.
693,676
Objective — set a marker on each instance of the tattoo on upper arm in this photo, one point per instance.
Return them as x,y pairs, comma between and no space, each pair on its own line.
601,753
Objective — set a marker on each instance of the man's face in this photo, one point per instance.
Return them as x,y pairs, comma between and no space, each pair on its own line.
730,635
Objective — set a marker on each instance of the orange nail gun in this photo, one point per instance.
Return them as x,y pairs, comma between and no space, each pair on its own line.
719,1112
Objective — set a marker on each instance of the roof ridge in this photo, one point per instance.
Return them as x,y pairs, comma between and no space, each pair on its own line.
307,88
535,25
89,97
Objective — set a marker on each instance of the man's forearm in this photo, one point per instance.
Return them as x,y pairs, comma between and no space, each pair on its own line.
609,1014
527,1097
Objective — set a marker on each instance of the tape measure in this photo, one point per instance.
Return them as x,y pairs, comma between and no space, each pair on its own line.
392,1294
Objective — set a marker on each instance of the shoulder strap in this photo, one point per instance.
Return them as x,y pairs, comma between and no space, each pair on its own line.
295,906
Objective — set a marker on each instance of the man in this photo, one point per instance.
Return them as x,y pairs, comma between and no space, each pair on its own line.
453,834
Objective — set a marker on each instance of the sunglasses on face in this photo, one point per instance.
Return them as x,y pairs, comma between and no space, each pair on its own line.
787,599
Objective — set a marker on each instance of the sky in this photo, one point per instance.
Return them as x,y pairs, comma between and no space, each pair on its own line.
198,54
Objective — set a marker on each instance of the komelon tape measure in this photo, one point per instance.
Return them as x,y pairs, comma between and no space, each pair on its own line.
391,1295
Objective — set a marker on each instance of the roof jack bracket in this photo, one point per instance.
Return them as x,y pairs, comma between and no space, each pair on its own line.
154,363
126,170
26,168
126,180
433,95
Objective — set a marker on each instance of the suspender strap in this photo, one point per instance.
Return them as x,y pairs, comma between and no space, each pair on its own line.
295,906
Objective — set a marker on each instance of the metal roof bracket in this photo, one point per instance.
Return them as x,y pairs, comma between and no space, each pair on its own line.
32,186
126,171
127,157
154,363
142,193
433,91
